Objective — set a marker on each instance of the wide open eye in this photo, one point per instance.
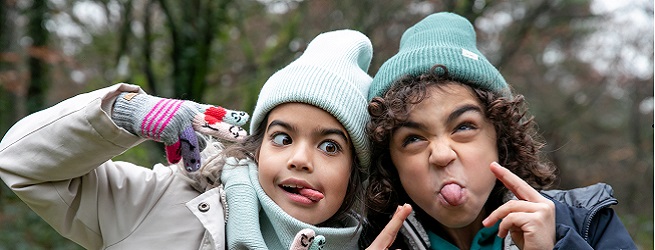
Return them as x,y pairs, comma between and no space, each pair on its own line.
330,147
282,139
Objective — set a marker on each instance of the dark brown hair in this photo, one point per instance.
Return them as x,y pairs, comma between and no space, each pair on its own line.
517,142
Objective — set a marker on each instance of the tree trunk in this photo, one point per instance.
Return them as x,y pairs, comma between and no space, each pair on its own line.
38,88
193,26
7,96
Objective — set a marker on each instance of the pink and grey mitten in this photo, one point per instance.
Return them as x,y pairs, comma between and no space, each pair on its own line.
175,122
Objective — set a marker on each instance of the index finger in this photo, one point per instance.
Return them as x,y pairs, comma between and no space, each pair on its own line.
515,184
388,234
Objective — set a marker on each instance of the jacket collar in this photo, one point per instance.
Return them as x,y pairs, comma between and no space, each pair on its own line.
209,210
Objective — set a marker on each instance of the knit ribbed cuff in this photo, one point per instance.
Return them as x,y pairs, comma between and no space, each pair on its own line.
126,109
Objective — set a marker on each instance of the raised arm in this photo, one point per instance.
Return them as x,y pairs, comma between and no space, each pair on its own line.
44,156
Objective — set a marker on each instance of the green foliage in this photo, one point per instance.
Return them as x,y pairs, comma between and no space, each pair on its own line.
640,228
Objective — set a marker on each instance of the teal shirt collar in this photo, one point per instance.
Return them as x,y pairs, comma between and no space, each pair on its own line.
485,239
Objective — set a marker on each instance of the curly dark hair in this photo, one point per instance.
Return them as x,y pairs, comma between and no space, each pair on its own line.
352,204
518,143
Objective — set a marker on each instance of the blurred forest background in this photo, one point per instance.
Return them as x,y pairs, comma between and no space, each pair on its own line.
585,67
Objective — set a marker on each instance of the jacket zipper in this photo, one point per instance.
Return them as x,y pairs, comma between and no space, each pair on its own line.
592,214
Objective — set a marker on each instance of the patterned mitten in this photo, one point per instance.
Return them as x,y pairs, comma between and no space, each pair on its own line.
307,239
174,122
319,243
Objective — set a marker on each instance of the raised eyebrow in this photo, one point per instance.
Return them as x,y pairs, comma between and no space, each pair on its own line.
333,131
461,110
282,124
322,132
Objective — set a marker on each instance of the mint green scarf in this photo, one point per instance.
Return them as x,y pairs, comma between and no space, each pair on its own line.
256,222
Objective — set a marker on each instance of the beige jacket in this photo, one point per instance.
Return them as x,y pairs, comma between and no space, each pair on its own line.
58,161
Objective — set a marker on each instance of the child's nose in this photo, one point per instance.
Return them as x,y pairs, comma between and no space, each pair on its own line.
300,158
441,153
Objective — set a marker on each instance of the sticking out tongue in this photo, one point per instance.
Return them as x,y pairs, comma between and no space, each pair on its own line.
453,194
311,194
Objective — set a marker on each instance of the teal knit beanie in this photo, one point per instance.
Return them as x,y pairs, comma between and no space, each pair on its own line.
330,74
442,38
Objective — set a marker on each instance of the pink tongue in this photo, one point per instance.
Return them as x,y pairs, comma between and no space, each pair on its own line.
452,193
311,194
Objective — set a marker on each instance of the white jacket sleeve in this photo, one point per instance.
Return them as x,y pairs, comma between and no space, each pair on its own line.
58,162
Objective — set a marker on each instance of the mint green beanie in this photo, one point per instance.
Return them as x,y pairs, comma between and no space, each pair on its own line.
441,38
331,74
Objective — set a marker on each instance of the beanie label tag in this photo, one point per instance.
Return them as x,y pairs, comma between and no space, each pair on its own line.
469,54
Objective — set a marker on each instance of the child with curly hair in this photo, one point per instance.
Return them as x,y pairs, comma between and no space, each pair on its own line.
452,140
